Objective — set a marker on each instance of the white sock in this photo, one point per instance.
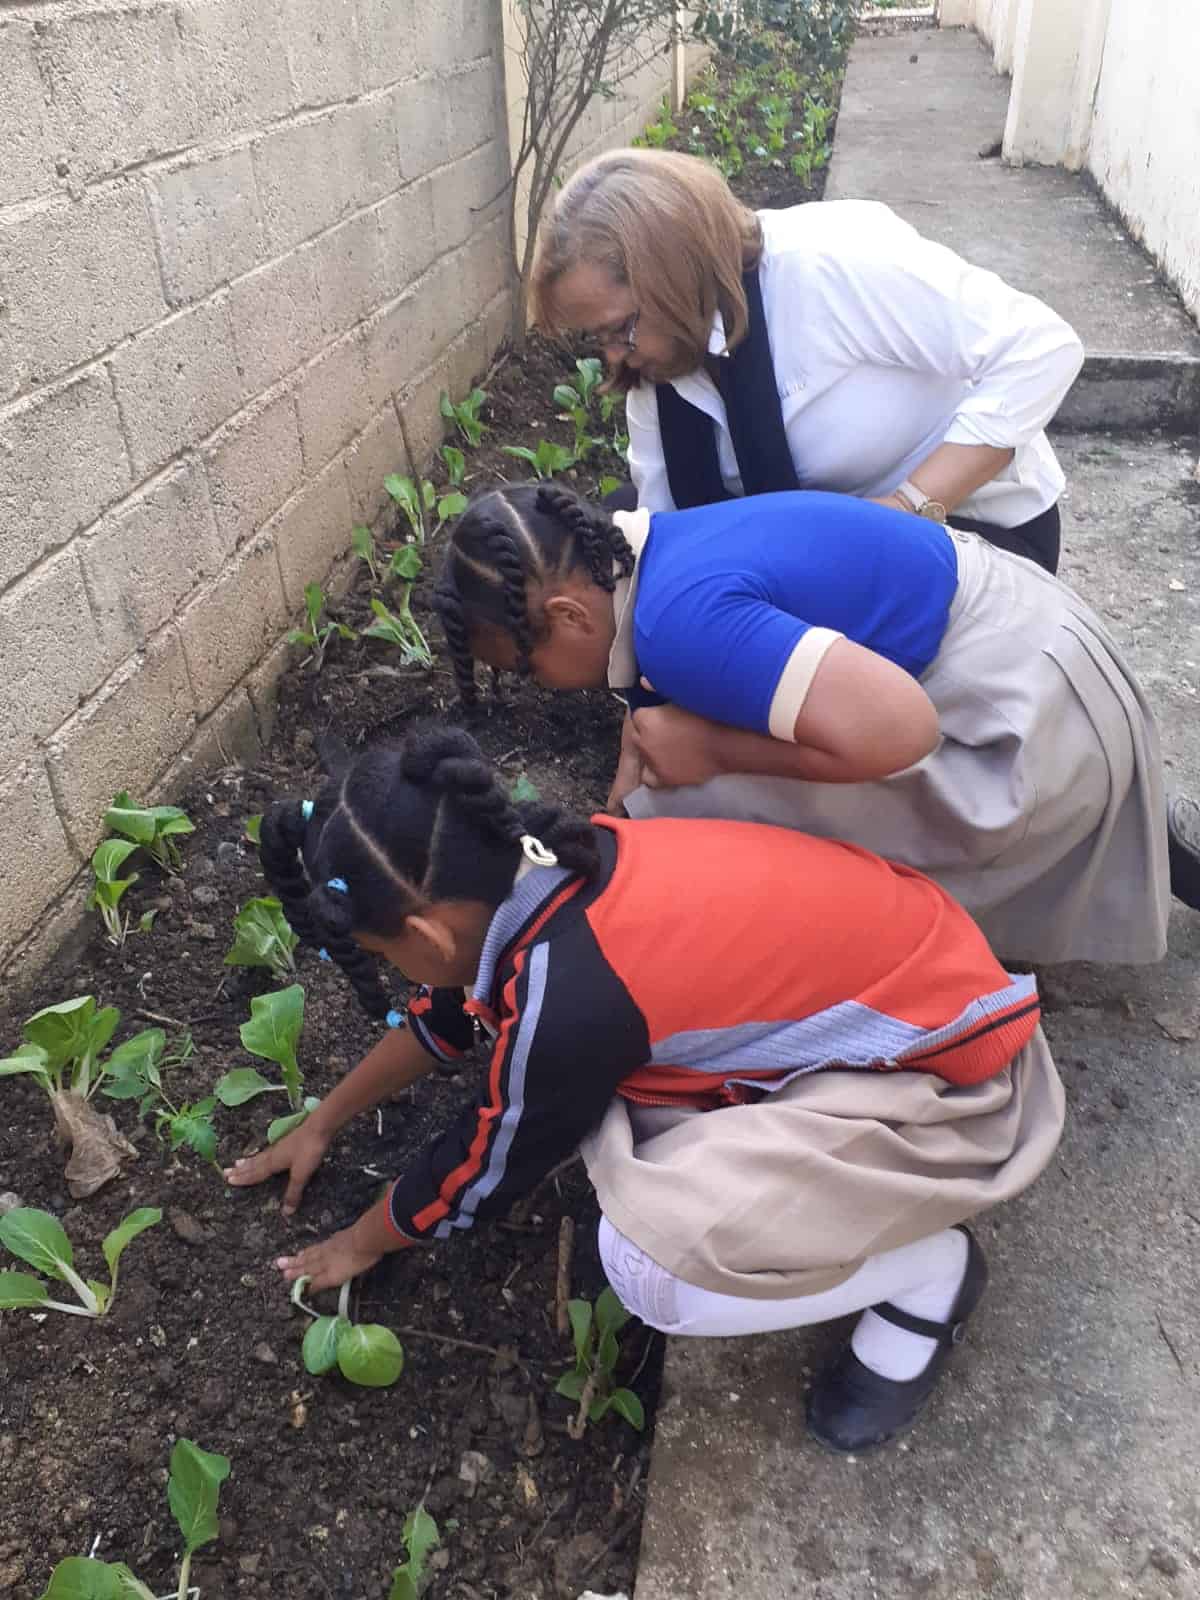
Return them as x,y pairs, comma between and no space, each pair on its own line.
922,1278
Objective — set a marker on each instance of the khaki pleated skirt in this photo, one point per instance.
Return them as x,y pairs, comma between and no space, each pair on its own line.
788,1196
1042,808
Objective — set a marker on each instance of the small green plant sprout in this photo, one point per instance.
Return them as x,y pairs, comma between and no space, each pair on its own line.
402,628
109,886
253,828
155,828
421,501
192,1492
263,937
524,792
40,1239
590,1381
135,1071
464,414
420,1537
366,1353
546,460
316,636
656,134
362,542
608,484
455,464
272,1032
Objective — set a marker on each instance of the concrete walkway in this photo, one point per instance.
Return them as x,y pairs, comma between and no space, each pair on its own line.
1061,1458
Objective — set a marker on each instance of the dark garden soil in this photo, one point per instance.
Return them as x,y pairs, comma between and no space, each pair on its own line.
202,1341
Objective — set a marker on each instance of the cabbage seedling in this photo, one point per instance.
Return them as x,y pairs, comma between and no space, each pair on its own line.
109,886
263,937
192,1492
155,828
40,1239
272,1032
590,1381
546,460
315,638
464,414
364,1352
362,542
401,630
420,1537
135,1073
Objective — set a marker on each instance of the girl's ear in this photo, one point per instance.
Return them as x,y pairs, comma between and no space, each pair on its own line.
438,935
568,613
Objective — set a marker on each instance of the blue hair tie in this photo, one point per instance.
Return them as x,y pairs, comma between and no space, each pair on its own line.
395,1019
306,810
339,884
324,954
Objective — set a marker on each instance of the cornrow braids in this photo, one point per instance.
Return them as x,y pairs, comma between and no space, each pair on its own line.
507,539
401,828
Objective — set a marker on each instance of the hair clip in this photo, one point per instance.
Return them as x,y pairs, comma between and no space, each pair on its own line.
306,810
324,954
339,884
534,850
395,1019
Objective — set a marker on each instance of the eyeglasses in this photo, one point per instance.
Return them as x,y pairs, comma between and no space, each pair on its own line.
623,333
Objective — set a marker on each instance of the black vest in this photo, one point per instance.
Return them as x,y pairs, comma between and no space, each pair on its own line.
746,380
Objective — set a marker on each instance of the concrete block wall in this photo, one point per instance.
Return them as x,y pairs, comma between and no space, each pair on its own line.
235,236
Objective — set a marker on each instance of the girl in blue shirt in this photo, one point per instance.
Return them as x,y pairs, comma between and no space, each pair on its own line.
836,666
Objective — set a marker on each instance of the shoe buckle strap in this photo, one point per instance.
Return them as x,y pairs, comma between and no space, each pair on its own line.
942,1332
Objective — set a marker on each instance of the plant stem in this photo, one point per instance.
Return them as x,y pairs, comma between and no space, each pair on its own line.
81,1289
185,1569
343,1309
71,1311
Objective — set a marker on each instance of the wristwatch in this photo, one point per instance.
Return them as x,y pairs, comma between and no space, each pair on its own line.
919,502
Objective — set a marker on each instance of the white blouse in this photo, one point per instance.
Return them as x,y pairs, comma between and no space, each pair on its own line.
886,345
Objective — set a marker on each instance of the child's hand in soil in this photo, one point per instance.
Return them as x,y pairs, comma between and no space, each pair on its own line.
675,746
299,1154
331,1263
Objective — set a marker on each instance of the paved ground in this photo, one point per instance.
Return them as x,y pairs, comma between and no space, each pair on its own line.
1061,1460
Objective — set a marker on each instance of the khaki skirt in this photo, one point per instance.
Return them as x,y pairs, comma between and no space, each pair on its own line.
788,1196
1041,810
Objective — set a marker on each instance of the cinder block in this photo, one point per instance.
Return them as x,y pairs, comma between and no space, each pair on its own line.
229,626
387,34
78,276
470,194
399,340
322,45
335,401
56,932
263,688
348,261
122,738
51,655
254,463
453,31
422,414
378,450
29,133
421,116
36,862
227,738
313,172
177,382
471,109
276,315
146,556
62,459
237,60
311,531
120,81
206,219
409,238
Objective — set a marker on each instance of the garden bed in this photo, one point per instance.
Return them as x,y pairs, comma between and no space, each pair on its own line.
202,1341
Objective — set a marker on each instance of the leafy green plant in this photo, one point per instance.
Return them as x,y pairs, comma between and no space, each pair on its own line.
455,463
401,629
464,414
263,937
362,542
316,636
524,792
64,1045
272,1033
193,1489
108,887
590,1381
135,1071
253,828
656,134
546,460
364,1352
608,485
420,1537
41,1240
421,500
155,828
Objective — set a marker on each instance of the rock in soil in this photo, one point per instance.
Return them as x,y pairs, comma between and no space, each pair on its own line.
186,1227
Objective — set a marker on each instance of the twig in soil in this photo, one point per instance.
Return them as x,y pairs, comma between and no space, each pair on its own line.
618,1538
1167,1340
637,1371
445,1338
562,1292
157,1016
408,449
546,1521
577,1424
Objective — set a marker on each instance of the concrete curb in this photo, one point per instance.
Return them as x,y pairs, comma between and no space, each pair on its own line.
1124,392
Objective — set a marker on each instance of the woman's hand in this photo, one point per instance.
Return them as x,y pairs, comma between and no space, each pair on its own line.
330,1263
676,747
629,770
299,1154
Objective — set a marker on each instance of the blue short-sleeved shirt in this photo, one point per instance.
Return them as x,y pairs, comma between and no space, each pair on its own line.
725,594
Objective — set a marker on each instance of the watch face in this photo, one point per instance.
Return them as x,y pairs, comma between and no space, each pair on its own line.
933,511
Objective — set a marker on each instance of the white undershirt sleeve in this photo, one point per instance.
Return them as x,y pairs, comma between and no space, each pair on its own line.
796,680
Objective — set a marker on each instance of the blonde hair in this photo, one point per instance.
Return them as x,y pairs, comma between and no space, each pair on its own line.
667,225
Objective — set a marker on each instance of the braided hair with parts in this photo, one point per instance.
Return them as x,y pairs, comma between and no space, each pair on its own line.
402,828
505,540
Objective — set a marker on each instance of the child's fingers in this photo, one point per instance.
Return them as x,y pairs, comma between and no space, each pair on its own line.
253,1169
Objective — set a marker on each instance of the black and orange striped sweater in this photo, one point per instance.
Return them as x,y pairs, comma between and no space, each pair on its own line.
709,963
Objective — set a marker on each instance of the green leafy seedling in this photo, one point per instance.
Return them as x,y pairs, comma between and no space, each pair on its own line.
455,463
464,414
253,828
64,1045
420,1537
366,1353
412,500
134,1072
591,1381
263,937
524,792
608,484
316,636
108,887
155,828
547,459
401,628
272,1033
362,542
41,1240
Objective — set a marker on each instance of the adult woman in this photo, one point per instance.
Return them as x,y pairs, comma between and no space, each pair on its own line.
826,346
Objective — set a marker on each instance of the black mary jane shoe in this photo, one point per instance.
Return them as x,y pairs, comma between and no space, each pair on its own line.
852,1409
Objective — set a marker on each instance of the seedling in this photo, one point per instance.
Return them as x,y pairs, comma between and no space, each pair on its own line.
546,460
192,1492
456,464
315,638
272,1032
657,134
109,886
253,828
608,484
420,1537
464,414
135,1073
362,542
263,937
590,1381
402,630
155,828
40,1239
364,1352
524,792
421,500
